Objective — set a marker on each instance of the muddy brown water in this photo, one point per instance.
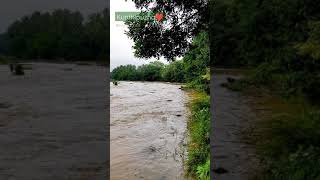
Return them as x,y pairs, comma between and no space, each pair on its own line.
234,157
53,123
148,131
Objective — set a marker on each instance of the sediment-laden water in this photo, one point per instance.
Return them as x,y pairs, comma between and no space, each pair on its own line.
148,131
232,119
53,122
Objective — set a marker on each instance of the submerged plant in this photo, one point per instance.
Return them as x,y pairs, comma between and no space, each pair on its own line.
115,83
19,70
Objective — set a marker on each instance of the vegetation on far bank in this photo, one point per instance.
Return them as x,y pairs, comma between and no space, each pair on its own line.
193,69
280,41
61,34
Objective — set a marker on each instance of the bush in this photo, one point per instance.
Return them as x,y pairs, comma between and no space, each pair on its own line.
174,72
128,72
287,84
263,74
3,60
291,150
199,131
151,71
311,88
19,69
203,171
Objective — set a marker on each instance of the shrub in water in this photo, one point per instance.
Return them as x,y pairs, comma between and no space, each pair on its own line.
19,70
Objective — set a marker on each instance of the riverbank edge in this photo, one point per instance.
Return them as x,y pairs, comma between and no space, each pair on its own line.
198,130
278,136
6,60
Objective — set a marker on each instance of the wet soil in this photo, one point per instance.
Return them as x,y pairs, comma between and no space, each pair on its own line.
148,131
53,122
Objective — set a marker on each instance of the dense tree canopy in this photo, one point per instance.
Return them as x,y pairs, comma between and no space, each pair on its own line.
146,72
249,32
60,34
3,44
170,37
281,37
191,69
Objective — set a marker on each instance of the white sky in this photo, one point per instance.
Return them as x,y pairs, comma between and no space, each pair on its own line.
121,51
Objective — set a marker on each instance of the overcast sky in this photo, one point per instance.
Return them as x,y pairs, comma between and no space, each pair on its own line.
121,46
121,52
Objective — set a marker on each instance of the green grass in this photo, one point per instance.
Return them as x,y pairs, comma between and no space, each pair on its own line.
203,171
198,161
290,148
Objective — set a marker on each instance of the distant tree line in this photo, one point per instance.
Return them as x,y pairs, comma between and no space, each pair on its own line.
61,34
191,69
147,72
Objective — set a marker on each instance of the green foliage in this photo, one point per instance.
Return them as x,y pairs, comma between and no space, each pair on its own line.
151,71
203,171
174,72
193,69
196,59
59,34
199,135
291,148
147,72
263,74
280,39
311,47
3,44
3,60
184,19
290,84
128,72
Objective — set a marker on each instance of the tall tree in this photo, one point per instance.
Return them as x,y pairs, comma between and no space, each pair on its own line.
171,35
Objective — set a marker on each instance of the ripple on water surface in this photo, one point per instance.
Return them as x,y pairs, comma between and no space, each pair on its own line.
148,126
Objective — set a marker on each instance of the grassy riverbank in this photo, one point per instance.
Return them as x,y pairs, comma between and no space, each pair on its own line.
288,137
198,160
290,146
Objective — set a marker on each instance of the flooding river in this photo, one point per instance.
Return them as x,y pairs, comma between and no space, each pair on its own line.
233,118
148,131
52,122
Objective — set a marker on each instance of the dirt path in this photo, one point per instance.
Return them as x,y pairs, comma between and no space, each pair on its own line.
52,123
233,156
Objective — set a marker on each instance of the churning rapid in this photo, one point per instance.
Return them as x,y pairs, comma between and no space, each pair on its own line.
148,131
